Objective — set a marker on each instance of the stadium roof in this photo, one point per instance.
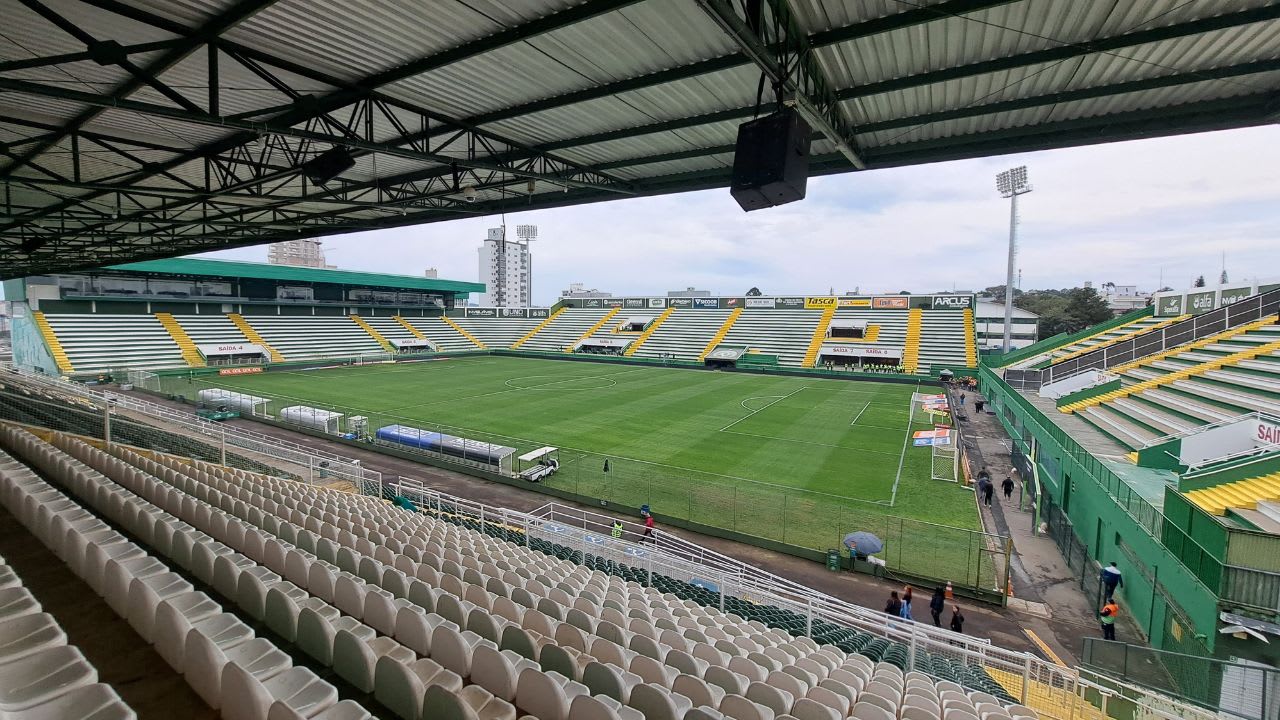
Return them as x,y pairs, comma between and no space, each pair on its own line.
150,128
290,273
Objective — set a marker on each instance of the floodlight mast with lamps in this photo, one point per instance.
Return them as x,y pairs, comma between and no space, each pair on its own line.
1011,184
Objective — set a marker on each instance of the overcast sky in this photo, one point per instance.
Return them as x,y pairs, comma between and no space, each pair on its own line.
1122,213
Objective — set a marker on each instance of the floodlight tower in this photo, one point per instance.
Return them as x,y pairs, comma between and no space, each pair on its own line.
1011,184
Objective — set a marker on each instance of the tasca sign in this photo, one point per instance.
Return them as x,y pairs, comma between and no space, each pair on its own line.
819,303
952,302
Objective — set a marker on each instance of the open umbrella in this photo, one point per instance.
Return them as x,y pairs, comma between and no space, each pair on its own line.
863,543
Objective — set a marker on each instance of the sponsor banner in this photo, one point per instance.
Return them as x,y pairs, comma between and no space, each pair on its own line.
1169,305
613,302
860,351
592,302
1199,302
240,371
657,302
512,312
788,303
539,312
924,438
481,312
635,303
1266,433
416,342
855,302
730,303
680,302
951,302
706,303
759,302
939,396
890,303
208,350
605,342
819,303
1232,296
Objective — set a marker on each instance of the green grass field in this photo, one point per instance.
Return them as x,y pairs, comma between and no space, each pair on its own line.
799,460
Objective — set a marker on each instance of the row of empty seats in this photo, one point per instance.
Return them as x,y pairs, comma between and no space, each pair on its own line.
500,332
442,334
942,339
784,333
489,612
390,328
1133,328
298,337
1187,389
684,334
41,676
563,331
97,343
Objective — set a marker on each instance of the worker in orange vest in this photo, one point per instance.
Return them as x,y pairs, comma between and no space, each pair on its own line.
1108,616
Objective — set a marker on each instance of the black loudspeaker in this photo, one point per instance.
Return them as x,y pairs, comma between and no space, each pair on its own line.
771,161
328,165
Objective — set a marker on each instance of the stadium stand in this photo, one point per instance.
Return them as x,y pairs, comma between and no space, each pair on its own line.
1224,376
567,328
42,677
499,332
98,343
1247,494
1113,335
942,339
211,329
390,328
190,353
783,333
441,334
440,616
684,334
303,337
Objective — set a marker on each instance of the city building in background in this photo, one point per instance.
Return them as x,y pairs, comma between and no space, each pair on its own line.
506,267
1124,298
689,292
298,253
988,326
580,290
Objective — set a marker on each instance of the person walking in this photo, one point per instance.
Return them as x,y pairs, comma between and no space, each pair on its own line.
1007,485
617,529
1111,579
988,489
1108,616
961,399
957,620
906,603
937,604
894,606
648,527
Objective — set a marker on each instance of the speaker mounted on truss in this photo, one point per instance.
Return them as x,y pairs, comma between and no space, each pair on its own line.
328,165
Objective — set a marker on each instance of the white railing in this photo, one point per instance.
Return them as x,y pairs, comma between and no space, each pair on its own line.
1217,424
320,464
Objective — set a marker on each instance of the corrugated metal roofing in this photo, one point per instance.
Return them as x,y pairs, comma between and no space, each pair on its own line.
604,98
287,273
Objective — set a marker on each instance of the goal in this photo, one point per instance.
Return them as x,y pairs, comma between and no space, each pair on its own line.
943,450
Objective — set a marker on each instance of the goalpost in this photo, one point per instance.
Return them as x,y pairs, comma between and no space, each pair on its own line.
943,450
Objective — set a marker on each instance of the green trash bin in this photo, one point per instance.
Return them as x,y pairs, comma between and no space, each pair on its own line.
833,560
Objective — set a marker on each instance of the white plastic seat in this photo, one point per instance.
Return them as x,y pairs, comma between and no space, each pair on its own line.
27,635
868,711
498,671
43,676
401,686
740,708
119,575
453,649
86,702
204,662
356,653
17,601
698,691
145,595
599,707
880,701
172,628
344,710
248,698
546,696
774,698
807,709
658,703
316,633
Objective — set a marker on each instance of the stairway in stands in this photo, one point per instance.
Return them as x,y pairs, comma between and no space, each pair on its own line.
190,353
254,337
648,332
819,334
51,340
911,348
386,344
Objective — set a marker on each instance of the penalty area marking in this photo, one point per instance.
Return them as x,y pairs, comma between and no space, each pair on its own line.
776,399
854,421
514,383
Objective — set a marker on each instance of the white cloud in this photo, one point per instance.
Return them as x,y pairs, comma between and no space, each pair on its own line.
1119,212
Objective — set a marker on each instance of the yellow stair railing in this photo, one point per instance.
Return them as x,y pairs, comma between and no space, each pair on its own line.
653,326
911,347
538,328
720,334
55,348
819,334
463,332
1175,376
254,337
412,330
591,331
385,343
970,340
1132,333
190,353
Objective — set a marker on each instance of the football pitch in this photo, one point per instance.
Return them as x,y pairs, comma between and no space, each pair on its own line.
799,460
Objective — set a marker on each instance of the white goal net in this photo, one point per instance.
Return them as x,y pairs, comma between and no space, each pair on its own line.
942,438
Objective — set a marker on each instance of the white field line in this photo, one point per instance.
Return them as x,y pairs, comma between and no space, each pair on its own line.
779,399
854,421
